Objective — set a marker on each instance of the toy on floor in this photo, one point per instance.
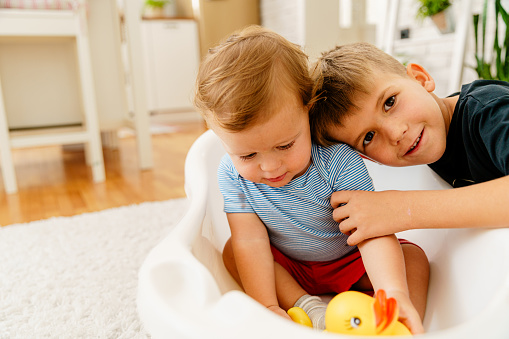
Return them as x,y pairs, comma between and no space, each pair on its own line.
356,313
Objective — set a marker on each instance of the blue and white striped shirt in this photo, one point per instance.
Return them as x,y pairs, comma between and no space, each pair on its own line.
298,216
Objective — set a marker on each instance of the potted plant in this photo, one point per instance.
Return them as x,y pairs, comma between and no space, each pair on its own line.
494,64
440,11
155,8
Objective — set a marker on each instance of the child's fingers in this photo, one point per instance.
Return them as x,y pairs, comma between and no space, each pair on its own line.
414,326
340,198
346,226
340,213
355,238
409,317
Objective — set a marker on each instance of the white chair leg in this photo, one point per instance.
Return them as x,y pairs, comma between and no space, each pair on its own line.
141,116
7,164
94,148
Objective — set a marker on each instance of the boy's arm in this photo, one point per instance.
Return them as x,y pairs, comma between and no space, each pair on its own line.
372,214
253,257
385,266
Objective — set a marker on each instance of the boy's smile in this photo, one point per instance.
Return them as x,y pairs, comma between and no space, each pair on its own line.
275,151
400,123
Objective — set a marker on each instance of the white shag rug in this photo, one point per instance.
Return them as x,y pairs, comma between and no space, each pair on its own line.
77,277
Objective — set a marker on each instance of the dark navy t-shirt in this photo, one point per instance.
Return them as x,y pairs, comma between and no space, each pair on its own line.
478,139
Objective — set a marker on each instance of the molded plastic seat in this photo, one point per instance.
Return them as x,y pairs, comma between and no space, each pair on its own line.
185,291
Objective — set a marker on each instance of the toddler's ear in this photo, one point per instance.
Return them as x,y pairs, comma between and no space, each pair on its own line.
418,73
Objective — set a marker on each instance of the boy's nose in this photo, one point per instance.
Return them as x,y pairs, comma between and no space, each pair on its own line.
395,136
395,132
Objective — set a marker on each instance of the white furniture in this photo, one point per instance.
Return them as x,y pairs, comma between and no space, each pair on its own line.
171,58
137,82
53,23
443,55
184,290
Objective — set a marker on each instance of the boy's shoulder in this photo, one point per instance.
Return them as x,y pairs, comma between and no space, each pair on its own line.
482,101
485,90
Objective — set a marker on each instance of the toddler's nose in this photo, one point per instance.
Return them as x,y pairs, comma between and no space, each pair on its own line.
270,164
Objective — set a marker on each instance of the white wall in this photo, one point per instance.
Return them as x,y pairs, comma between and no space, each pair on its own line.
303,22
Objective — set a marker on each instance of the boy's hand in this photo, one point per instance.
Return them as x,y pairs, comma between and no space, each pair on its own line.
408,315
366,214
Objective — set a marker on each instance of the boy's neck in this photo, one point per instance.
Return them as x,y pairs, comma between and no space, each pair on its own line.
447,106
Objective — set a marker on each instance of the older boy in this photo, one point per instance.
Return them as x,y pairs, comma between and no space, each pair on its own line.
389,113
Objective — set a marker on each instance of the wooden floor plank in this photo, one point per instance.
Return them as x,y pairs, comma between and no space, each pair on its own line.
55,181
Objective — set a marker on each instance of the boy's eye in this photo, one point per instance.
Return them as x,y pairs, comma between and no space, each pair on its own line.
247,157
284,147
389,103
369,136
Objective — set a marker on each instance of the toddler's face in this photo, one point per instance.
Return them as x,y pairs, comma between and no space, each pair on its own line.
275,151
398,124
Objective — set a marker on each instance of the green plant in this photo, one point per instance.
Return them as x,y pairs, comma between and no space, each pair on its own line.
156,3
497,66
431,7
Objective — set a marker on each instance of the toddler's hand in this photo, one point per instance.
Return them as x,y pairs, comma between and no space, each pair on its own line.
279,311
408,315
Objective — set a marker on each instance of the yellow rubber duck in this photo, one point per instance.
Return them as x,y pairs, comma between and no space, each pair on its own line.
356,313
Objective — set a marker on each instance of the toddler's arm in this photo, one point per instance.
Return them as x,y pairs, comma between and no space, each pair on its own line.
385,266
373,214
254,260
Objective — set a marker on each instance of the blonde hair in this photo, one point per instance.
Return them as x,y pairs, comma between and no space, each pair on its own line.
340,75
240,79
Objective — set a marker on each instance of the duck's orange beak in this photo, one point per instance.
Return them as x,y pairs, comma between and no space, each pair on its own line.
386,311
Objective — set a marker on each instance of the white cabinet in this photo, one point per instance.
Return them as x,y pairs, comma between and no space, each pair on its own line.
171,58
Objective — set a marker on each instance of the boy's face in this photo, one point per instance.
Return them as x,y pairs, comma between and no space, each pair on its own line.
275,151
400,123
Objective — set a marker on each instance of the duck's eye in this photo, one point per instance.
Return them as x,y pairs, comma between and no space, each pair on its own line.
355,322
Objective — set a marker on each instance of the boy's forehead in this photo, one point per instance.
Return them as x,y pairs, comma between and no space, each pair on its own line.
349,132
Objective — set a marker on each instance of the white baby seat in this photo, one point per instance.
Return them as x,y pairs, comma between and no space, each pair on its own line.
185,291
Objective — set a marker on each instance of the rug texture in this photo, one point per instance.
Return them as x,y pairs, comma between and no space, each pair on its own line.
76,277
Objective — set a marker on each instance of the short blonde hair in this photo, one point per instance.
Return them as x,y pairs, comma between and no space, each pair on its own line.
340,75
240,79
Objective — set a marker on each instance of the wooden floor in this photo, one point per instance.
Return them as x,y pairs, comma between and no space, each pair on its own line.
54,181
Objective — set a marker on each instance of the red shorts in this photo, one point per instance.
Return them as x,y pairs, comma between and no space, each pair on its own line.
321,277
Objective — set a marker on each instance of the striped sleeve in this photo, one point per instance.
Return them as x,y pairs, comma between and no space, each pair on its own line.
348,171
235,201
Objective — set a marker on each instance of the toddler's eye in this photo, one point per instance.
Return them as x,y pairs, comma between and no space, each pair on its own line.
369,136
389,103
284,147
247,157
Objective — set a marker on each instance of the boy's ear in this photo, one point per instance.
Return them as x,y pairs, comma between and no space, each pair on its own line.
418,73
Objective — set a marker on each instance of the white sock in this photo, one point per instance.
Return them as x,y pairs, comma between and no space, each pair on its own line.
314,308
